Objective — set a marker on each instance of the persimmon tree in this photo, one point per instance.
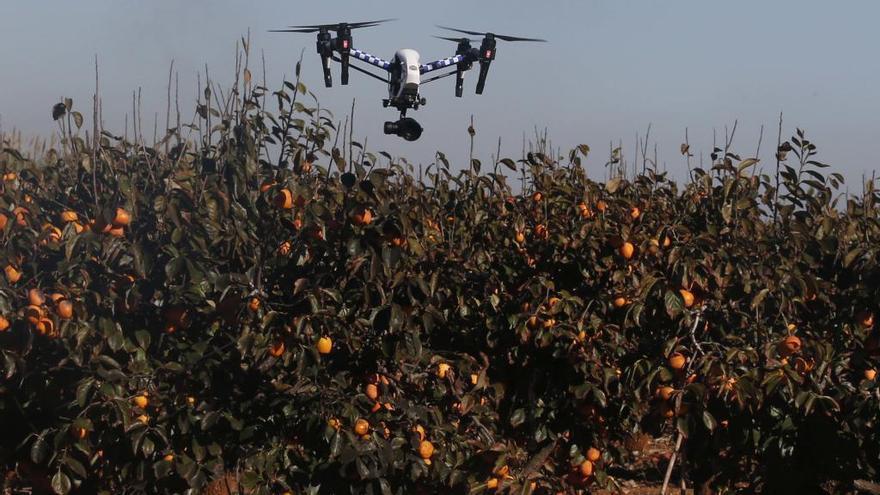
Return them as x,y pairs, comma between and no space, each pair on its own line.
264,307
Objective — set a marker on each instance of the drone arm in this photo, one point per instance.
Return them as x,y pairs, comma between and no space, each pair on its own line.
370,59
363,71
441,76
440,64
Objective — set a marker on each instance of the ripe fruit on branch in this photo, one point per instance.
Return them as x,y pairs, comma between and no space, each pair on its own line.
361,427
442,370
790,345
541,231
627,249
36,297
635,212
584,210
266,185
420,431
141,401
283,199
254,304
68,216
277,349
426,449
586,468
12,274
677,361
362,217
122,218
325,345
665,392
372,391
687,296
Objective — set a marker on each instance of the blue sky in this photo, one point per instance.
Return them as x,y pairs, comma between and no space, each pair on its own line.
611,68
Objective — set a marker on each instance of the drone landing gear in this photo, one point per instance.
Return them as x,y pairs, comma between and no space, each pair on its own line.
405,104
405,127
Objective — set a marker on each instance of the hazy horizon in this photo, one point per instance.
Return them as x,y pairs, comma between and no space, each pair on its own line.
608,72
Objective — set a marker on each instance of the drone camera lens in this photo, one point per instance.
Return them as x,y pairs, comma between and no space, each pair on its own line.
406,128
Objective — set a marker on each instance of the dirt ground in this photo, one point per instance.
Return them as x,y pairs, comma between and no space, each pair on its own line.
645,476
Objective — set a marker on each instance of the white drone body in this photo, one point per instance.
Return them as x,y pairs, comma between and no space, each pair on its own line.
405,66
403,73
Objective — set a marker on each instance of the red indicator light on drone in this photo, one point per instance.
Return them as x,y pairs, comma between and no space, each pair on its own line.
488,53
344,43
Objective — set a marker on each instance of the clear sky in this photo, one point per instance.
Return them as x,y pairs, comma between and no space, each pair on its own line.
611,68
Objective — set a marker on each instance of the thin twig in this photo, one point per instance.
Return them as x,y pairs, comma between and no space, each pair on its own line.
778,165
168,106
96,143
679,437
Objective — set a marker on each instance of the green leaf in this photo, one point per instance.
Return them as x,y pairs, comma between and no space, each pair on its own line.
147,447
613,185
518,417
746,164
709,420
674,303
759,298
82,391
76,467
161,469
507,162
61,483
851,256
39,450
209,420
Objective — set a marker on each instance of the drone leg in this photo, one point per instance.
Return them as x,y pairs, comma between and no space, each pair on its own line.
481,82
328,77
459,82
344,59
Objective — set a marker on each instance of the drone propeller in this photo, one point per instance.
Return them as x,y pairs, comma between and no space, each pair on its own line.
464,48
314,28
456,40
485,55
326,43
499,36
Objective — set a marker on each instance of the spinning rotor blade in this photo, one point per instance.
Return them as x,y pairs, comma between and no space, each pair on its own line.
499,36
314,28
517,38
456,40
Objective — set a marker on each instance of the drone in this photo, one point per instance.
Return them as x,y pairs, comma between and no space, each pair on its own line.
403,73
